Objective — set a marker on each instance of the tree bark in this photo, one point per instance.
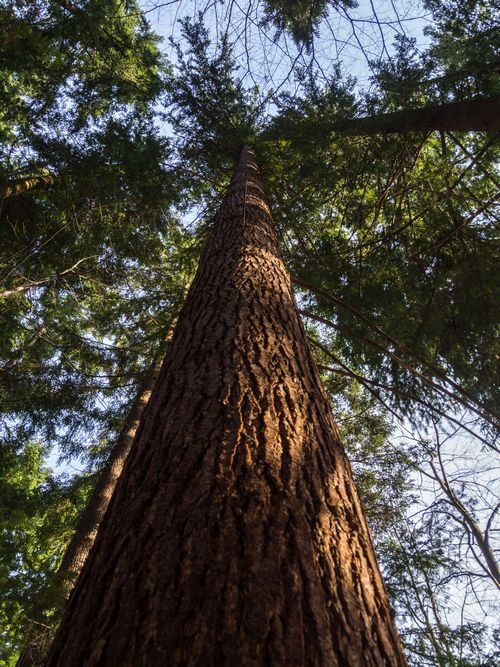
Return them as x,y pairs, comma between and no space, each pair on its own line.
33,655
471,115
235,535
18,186
80,545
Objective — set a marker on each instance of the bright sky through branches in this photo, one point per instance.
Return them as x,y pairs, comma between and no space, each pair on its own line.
354,38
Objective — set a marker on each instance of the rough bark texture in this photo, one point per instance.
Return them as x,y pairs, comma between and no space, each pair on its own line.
78,549
471,115
235,536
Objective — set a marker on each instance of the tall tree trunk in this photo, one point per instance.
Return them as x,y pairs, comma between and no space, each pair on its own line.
471,115
34,654
235,535
80,545
18,186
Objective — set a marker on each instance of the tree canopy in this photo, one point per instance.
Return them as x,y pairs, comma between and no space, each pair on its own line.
115,150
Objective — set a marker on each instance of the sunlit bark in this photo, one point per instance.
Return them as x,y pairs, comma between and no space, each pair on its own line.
235,535
471,115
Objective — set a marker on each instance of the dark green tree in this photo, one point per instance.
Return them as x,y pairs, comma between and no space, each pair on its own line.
390,241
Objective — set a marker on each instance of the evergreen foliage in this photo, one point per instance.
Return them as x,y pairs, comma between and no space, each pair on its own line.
390,242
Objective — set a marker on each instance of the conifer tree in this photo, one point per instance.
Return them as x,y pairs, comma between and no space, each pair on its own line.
235,535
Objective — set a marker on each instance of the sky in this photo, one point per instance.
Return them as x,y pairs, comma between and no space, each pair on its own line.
354,37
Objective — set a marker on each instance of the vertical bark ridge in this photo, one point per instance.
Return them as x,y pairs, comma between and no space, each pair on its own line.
235,536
